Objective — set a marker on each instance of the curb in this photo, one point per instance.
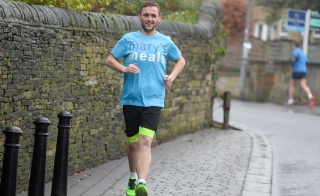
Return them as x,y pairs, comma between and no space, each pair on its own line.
258,180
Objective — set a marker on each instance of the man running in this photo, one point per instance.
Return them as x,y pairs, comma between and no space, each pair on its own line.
144,66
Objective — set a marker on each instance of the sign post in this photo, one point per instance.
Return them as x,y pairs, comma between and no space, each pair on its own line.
299,21
245,53
306,32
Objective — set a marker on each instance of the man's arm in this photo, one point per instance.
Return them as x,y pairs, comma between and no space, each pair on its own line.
115,65
295,59
180,63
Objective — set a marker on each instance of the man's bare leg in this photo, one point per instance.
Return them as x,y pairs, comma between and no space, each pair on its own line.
144,156
291,92
133,150
304,86
132,159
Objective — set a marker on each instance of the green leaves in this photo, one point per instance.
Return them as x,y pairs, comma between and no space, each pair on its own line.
80,5
178,10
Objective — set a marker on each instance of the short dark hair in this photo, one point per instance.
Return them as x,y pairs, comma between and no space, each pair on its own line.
149,3
296,44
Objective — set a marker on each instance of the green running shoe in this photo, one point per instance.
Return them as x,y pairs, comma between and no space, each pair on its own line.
131,187
141,190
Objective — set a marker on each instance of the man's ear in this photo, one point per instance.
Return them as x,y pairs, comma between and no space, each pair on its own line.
139,17
159,18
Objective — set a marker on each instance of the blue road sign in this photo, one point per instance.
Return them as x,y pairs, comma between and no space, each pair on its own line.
296,20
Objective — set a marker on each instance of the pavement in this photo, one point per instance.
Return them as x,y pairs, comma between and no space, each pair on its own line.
207,162
234,162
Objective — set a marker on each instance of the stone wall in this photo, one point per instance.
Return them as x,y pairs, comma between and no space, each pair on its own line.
53,60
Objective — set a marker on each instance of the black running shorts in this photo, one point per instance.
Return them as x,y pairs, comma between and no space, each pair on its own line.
136,116
298,75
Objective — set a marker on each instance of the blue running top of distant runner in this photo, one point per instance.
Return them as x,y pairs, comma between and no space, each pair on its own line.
301,64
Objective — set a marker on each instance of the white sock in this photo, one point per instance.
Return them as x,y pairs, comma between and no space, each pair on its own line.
310,96
290,101
142,181
134,175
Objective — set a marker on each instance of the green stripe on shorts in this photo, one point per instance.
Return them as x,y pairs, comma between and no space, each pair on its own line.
134,138
146,132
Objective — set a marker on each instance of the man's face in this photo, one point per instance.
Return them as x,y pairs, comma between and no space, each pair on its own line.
149,18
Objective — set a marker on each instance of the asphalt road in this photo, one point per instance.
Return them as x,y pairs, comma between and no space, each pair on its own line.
294,134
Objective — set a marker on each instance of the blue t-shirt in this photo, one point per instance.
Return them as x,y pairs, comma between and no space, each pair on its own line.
149,53
300,61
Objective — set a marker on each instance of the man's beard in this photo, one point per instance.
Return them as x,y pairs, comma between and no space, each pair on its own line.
148,30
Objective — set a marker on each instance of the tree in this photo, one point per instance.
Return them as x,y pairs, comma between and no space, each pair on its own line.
81,5
234,16
187,11
276,7
184,11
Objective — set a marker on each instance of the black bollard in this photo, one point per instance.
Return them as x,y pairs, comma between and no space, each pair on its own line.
226,109
38,167
60,171
10,161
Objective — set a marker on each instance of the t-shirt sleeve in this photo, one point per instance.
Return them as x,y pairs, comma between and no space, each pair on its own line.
174,52
119,49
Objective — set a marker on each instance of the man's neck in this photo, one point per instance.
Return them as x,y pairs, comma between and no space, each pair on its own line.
148,33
